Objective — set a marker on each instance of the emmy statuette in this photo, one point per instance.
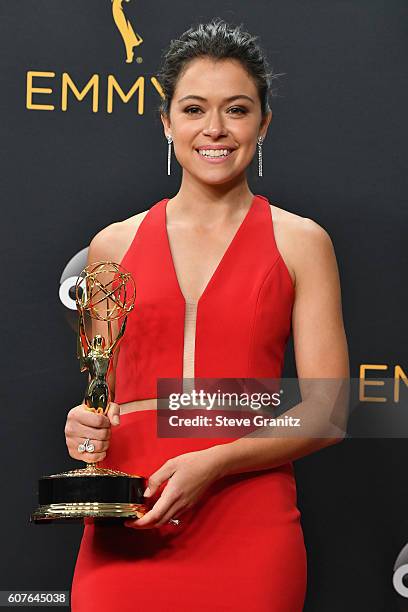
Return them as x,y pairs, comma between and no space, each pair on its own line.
106,292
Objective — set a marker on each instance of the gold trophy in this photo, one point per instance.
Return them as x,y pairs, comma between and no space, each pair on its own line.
106,291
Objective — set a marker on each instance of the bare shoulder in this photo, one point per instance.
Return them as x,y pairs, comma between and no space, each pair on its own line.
301,241
112,242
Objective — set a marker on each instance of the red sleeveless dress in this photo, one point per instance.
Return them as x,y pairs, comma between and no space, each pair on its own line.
241,545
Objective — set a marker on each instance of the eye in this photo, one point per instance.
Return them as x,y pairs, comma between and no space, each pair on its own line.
191,108
238,108
241,111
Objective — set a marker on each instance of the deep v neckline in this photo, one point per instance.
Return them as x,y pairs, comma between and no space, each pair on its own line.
221,262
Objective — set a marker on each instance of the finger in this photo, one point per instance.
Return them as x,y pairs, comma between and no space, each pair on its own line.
89,457
91,419
75,430
163,504
147,521
158,478
81,415
135,523
100,446
114,413
173,512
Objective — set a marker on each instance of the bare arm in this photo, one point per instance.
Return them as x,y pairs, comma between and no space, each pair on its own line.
321,352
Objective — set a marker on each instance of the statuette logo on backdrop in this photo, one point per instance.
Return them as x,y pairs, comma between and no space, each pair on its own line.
46,90
130,38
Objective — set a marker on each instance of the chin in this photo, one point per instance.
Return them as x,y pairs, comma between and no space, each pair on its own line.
212,180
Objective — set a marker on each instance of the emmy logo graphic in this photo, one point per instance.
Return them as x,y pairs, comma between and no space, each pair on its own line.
130,39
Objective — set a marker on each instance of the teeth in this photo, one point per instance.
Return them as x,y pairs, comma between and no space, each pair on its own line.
214,152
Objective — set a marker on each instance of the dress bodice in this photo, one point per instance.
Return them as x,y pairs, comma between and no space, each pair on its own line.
237,329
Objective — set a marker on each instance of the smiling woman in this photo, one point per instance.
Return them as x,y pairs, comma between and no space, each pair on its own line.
222,278
220,128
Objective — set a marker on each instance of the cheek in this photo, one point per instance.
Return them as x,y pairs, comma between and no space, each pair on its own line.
245,133
186,133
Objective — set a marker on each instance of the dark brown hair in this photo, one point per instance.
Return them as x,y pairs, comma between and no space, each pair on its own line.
217,40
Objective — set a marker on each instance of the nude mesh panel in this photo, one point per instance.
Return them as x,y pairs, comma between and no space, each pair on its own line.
189,345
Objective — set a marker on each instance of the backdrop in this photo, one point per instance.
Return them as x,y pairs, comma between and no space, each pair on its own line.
74,160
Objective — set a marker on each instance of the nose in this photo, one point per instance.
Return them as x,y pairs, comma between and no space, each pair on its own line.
215,126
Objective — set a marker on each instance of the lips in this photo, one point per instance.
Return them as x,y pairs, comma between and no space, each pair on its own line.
215,148
215,160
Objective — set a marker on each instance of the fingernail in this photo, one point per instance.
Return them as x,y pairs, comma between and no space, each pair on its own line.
116,419
147,493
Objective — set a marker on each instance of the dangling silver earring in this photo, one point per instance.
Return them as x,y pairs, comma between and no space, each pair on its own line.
260,142
169,140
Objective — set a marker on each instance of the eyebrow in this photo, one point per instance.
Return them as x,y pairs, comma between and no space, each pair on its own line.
230,99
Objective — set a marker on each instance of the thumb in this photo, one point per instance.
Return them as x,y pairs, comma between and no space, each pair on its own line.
113,413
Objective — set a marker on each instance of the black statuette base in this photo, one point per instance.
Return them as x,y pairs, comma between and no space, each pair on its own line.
80,494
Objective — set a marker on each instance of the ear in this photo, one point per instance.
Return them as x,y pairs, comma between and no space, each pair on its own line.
166,124
265,123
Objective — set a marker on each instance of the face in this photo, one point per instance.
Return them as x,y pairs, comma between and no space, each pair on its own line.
210,118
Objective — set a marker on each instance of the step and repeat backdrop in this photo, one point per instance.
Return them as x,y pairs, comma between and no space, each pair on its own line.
83,146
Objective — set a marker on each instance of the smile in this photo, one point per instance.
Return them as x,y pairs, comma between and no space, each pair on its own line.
214,156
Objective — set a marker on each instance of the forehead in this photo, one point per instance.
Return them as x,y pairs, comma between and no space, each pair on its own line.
205,76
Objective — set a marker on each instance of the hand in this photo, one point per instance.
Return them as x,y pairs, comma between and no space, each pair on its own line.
82,424
188,476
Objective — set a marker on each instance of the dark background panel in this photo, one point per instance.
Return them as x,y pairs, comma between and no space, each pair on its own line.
335,152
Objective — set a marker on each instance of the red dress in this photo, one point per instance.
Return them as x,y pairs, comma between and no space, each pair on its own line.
241,545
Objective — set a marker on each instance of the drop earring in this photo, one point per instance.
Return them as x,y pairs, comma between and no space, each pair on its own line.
260,142
169,141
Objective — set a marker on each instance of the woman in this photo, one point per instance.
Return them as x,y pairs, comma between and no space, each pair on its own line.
222,276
